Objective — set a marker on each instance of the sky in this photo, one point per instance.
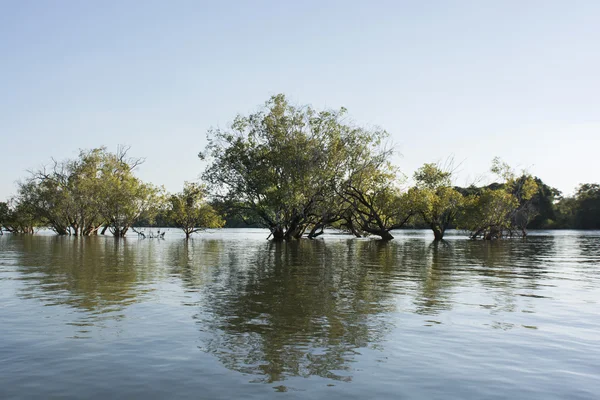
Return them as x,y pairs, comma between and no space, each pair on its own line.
465,79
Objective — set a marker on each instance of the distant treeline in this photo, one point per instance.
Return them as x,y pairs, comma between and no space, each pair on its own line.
295,171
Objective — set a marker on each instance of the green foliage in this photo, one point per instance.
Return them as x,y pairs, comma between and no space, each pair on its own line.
65,195
125,198
500,210
377,205
79,196
4,214
431,176
294,170
190,211
587,200
487,214
434,199
18,217
580,211
565,210
284,165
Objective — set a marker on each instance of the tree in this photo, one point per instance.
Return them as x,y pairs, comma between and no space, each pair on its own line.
190,211
49,193
67,195
565,210
4,215
378,206
487,214
78,196
544,202
125,198
283,166
587,215
523,188
18,217
436,201
500,210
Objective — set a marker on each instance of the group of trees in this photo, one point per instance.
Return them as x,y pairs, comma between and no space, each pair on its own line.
582,211
296,171
96,192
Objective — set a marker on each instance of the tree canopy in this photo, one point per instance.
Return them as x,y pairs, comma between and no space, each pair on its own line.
285,166
295,170
190,212
503,209
79,196
434,198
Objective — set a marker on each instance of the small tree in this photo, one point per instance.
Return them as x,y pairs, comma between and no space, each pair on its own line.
190,212
501,210
434,198
487,214
78,196
18,217
65,194
125,199
373,190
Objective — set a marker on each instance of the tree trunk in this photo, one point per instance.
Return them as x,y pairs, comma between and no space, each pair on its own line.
60,231
294,231
316,231
494,233
350,225
277,233
119,232
438,232
299,233
385,235
381,232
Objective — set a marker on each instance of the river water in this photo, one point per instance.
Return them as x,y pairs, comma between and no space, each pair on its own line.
231,315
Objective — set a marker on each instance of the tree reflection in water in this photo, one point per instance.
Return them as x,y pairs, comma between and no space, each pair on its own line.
297,309
307,308
98,276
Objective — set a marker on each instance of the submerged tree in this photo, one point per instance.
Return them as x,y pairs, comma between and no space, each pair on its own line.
18,217
65,194
434,198
125,198
79,196
581,211
190,211
487,214
501,210
378,205
283,166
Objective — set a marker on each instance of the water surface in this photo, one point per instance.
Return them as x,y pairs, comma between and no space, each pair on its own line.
230,315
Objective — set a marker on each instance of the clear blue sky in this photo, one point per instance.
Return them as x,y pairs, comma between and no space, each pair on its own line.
473,79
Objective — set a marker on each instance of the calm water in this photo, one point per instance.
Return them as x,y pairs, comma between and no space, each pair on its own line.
230,315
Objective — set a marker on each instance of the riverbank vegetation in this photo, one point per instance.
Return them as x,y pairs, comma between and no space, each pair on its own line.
296,171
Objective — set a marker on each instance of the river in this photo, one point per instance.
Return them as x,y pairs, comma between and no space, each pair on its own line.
231,315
